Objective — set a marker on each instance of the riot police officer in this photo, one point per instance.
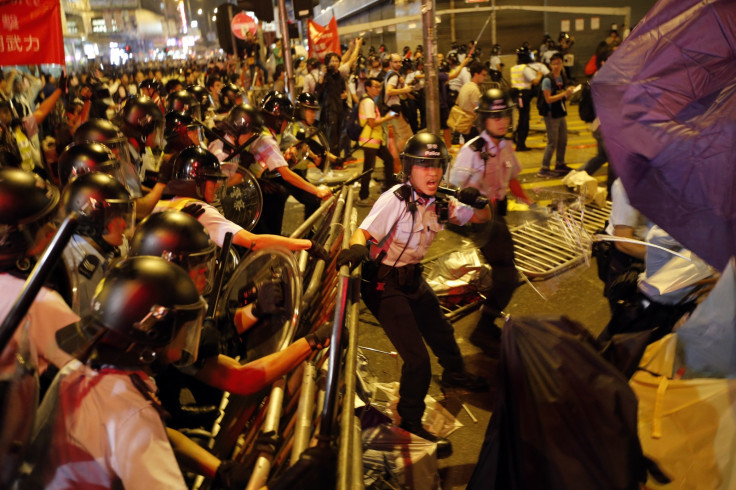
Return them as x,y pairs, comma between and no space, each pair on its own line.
399,229
260,130
107,215
488,163
197,178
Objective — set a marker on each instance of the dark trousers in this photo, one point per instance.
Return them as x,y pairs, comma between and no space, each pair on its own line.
274,204
310,201
522,126
369,162
498,250
332,127
410,316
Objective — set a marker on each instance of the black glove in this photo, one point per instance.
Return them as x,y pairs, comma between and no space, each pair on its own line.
338,164
194,210
270,299
318,252
231,474
353,256
319,338
468,195
165,170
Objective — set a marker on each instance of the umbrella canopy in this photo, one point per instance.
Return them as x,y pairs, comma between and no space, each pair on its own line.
666,100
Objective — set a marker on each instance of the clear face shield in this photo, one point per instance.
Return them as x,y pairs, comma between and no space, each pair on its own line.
212,190
499,123
130,180
155,139
200,266
196,135
119,221
186,340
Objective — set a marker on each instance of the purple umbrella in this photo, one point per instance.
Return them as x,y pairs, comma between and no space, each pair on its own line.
666,100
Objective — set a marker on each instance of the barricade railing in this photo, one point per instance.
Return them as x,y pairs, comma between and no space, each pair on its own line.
301,409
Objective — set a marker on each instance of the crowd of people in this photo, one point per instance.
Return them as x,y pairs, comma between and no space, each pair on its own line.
141,155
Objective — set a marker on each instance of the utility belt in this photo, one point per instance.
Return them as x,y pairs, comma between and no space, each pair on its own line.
406,277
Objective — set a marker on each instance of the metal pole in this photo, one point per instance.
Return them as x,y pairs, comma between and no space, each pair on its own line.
493,22
286,50
304,424
230,28
431,87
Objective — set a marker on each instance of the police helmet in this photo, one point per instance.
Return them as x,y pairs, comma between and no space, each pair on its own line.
495,102
496,50
178,238
26,204
106,210
142,115
444,66
277,104
201,95
307,101
184,101
140,307
86,157
423,150
175,122
453,59
243,119
523,54
192,168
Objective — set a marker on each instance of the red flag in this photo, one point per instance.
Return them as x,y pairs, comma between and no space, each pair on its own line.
30,32
323,40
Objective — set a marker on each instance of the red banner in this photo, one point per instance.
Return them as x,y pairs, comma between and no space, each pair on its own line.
323,40
30,32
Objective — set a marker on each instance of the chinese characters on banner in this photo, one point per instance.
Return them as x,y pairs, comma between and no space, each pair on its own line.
30,32
323,40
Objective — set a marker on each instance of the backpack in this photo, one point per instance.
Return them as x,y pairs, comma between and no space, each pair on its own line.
586,108
352,123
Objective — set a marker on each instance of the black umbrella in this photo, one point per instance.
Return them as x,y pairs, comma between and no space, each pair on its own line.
666,100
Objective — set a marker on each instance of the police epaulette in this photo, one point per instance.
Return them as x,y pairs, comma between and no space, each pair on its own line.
477,144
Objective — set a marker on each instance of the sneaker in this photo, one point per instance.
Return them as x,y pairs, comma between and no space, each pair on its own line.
464,380
444,446
350,159
545,172
365,202
561,170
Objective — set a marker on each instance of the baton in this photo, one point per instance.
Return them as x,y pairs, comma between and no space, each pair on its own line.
242,147
220,276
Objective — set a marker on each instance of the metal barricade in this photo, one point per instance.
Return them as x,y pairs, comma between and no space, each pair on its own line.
271,430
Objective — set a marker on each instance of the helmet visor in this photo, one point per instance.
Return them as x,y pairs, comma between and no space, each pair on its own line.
187,337
129,179
155,138
428,162
201,268
119,221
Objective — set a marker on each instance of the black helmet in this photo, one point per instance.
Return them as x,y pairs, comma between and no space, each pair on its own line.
523,55
101,202
407,64
175,121
230,96
26,204
192,168
105,132
453,59
307,101
184,101
424,150
142,115
243,119
445,66
140,307
277,104
83,158
201,95
179,238
495,102
496,50
196,163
